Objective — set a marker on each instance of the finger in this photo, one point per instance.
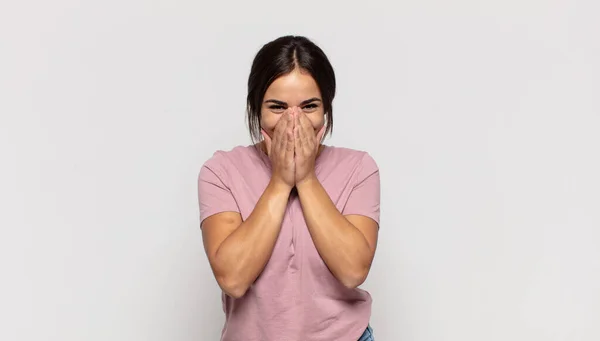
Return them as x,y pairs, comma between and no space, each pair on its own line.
305,138
287,150
282,121
297,141
295,132
297,120
294,128
289,129
268,141
281,128
307,125
290,142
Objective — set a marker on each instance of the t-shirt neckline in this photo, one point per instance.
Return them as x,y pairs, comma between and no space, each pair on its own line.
267,161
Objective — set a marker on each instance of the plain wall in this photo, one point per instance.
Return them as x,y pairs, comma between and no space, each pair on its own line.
484,118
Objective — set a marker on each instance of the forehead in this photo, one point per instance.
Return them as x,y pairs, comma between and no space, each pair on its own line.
293,88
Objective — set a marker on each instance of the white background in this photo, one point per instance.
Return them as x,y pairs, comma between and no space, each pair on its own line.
484,117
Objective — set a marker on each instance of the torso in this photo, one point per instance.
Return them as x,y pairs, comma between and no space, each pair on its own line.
296,297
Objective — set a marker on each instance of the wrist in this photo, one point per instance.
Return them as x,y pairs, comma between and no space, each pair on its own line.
308,181
280,187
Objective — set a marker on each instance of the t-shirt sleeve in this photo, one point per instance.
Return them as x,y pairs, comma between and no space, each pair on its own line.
365,196
213,194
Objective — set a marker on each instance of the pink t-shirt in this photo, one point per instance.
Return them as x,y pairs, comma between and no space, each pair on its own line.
295,298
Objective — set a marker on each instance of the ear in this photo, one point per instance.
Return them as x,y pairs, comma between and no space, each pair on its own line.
320,134
325,124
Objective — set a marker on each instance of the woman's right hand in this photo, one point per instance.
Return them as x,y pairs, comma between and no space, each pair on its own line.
280,149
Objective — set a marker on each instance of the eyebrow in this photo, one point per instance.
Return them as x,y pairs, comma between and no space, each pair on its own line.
314,99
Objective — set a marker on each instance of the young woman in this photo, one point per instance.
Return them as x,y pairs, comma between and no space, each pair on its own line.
290,225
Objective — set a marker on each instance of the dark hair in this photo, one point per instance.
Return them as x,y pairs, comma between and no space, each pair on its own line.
280,57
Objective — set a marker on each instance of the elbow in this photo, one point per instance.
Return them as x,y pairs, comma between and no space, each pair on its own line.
229,279
235,292
354,279
232,287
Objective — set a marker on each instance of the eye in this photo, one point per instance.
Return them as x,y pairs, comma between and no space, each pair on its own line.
277,108
310,107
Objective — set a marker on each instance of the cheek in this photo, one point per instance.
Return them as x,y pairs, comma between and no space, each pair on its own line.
317,121
268,122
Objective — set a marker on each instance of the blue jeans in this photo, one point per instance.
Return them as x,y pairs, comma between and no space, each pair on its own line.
367,335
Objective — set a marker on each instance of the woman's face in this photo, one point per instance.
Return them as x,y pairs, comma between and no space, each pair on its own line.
296,89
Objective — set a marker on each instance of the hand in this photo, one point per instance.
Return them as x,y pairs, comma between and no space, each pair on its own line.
306,146
281,151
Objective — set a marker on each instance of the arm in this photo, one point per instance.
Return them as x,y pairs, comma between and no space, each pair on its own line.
346,243
238,251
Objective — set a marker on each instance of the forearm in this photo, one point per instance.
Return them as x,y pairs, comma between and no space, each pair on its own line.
243,255
343,248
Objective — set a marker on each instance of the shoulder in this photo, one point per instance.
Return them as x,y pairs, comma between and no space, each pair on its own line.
348,157
239,157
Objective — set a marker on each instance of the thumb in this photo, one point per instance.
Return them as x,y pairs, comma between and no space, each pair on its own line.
267,141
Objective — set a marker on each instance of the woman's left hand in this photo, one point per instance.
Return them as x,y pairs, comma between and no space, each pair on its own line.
306,146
